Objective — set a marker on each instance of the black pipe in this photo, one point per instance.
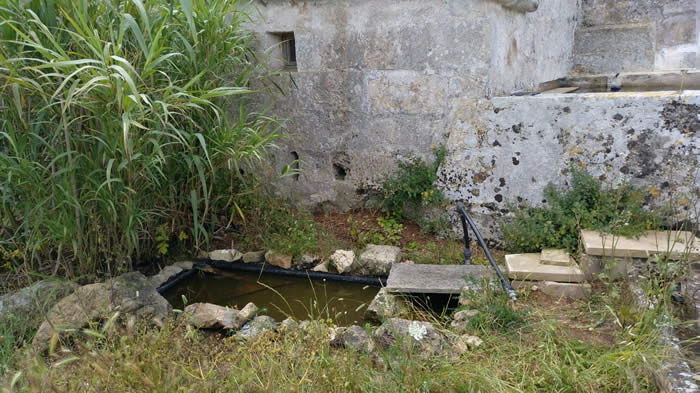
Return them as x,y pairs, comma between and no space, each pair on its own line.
465,218
269,269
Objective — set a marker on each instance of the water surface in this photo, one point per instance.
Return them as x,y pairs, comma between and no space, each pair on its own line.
280,296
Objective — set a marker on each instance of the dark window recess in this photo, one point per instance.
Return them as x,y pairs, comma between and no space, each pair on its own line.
339,172
288,49
295,164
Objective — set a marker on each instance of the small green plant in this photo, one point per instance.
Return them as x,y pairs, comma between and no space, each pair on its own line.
413,184
389,232
586,204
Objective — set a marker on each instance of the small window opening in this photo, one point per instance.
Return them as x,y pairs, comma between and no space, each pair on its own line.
295,165
339,172
288,49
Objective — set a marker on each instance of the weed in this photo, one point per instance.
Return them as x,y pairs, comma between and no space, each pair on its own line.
389,232
586,204
413,184
496,311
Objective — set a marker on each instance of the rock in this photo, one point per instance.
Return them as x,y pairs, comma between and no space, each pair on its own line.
245,315
254,257
377,260
129,294
305,261
280,260
255,328
472,341
164,275
354,337
289,325
321,267
24,310
384,305
225,255
459,326
342,261
462,344
465,315
421,338
460,347
210,316
184,265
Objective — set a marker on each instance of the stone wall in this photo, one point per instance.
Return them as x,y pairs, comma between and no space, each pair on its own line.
641,35
507,149
378,80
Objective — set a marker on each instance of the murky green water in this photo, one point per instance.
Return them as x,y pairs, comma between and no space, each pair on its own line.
280,296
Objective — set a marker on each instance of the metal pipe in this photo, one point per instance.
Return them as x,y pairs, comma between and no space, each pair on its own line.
465,218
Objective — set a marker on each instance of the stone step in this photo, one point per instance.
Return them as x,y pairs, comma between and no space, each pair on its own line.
569,290
529,267
446,279
676,243
557,257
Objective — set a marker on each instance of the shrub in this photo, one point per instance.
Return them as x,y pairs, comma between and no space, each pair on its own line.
585,204
413,186
115,120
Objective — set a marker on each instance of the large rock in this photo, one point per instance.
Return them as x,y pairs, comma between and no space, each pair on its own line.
377,260
305,261
353,337
384,305
255,328
25,308
129,294
225,255
342,261
280,260
165,275
254,257
417,337
210,316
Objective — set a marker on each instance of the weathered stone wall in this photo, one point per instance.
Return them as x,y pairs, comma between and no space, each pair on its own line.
377,80
507,149
640,35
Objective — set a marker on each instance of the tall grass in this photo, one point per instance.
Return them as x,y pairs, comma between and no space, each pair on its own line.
118,117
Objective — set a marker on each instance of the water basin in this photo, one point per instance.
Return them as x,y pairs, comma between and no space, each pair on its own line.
280,296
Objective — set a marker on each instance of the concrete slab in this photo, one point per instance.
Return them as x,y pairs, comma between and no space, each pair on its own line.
556,289
557,257
676,243
447,279
528,267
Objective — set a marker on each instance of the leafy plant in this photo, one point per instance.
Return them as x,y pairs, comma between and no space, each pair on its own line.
116,116
413,184
585,204
389,232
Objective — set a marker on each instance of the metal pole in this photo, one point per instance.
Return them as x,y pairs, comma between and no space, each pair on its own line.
466,218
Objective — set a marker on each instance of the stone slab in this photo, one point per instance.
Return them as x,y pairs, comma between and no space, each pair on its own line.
676,243
570,290
557,257
528,267
447,279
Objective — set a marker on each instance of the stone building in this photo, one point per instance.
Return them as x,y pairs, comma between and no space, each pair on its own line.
376,81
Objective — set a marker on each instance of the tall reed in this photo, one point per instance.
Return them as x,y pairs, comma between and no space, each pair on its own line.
119,117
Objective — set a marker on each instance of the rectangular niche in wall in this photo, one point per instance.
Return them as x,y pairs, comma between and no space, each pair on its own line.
286,49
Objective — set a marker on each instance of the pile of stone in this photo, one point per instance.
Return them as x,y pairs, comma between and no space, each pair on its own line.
375,260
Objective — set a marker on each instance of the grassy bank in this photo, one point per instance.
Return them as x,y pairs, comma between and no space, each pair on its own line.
597,345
